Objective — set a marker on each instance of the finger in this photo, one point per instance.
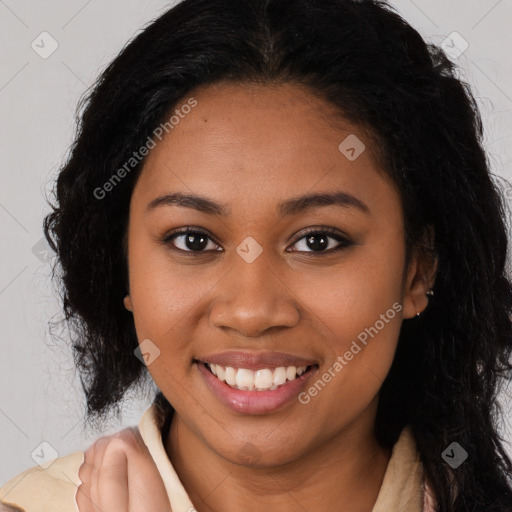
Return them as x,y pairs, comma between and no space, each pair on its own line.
138,438
83,492
146,486
113,479
141,497
99,450
82,499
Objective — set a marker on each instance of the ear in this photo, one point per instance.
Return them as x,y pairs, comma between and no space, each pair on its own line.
128,303
420,275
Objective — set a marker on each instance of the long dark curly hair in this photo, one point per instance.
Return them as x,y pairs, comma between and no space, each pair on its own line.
377,71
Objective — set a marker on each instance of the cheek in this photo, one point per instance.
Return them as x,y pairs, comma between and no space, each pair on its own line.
353,295
165,312
163,293
357,319
356,310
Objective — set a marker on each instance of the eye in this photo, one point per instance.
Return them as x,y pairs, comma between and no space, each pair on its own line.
190,240
318,241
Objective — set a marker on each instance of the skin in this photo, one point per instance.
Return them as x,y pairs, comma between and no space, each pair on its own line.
119,473
252,147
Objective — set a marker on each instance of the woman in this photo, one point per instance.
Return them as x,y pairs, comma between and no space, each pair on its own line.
283,210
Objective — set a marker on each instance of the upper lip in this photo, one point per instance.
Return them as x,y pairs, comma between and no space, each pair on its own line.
256,360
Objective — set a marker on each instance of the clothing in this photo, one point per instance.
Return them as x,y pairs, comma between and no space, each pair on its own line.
53,489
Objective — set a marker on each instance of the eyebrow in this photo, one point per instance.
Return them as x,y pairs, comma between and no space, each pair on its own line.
287,208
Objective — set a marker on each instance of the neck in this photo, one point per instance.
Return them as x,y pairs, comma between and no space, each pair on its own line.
344,472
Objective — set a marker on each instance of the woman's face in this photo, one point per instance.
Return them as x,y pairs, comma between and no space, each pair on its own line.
254,281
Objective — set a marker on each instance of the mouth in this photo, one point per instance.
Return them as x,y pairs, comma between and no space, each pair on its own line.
263,379
260,391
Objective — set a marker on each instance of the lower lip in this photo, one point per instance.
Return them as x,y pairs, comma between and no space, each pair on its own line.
255,402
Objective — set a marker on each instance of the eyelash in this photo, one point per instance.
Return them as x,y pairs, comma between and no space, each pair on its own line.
324,230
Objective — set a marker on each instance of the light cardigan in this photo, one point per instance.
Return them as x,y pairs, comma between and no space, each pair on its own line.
53,489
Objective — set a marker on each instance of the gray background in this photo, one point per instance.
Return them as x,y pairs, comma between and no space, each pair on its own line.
40,396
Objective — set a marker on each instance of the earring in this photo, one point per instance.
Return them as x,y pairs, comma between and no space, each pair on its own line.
418,314
430,292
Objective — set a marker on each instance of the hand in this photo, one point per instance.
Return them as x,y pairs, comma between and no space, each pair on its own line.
119,475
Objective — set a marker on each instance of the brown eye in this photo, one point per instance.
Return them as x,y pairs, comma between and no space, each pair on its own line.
321,241
190,240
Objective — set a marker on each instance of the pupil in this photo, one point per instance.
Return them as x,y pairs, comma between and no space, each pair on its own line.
196,237
315,246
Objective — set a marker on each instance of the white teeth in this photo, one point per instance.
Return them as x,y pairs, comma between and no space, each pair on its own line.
291,371
263,379
279,376
221,373
245,379
260,380
230,376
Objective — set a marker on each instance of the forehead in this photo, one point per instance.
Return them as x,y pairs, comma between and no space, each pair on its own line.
255,142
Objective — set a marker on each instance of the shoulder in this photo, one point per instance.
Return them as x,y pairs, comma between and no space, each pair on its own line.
41,490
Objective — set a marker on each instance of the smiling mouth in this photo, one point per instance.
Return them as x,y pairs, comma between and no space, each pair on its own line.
265,379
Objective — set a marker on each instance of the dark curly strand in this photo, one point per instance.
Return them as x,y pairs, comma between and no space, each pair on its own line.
377,71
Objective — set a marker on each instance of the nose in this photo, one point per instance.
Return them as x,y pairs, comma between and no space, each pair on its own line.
254,299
